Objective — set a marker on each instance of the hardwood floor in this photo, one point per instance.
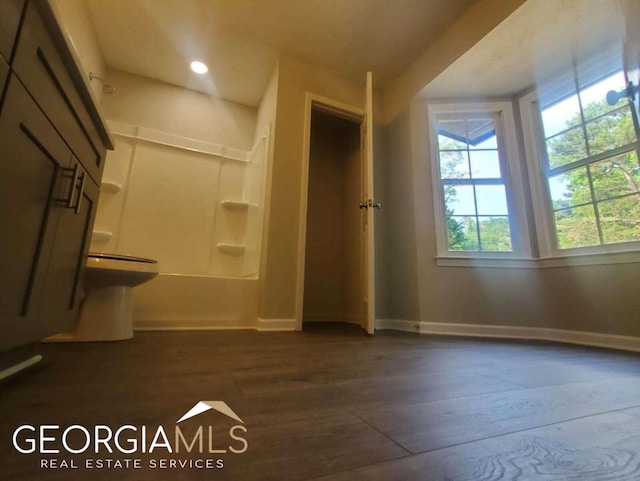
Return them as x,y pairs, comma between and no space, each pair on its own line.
332,403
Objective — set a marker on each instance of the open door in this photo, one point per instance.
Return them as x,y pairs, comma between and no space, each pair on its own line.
362,191
369,206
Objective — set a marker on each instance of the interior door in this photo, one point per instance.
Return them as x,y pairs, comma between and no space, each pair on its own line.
370,206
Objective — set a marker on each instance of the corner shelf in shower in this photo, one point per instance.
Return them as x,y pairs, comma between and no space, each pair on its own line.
231,249
110,186
101,236
235,205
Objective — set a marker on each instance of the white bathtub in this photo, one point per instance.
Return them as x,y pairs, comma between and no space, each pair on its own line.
179,302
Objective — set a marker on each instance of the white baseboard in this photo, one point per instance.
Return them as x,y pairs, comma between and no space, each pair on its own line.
612,341
398,325
276,324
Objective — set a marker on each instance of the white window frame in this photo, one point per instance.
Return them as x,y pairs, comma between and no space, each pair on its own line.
535,153
513,180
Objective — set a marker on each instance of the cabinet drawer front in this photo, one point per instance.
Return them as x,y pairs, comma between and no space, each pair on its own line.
31,181
10,14
41,69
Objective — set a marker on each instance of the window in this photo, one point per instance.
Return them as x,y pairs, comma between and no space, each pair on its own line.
473,153
588,176
576,198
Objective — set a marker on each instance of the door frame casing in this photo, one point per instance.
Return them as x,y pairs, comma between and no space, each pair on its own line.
339,109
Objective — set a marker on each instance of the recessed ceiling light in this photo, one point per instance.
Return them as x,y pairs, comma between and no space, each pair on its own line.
199,67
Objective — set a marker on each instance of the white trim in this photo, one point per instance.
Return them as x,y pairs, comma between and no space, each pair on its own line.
538,187
120,129
340,109
397,325
607,258
491,262
266,325
337,108
611,341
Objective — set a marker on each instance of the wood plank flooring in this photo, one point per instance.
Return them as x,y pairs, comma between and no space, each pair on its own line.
332,403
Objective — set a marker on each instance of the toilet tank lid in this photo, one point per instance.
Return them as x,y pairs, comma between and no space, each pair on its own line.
121,257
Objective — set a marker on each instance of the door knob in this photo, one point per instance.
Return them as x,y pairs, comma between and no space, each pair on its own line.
370,203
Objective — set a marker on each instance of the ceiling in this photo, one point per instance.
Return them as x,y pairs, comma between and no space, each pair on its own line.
539,40
241,40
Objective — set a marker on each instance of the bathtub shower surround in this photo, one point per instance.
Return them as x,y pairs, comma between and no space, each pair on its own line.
196,207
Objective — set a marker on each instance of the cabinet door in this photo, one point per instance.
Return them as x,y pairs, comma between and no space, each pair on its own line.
32,180
10,13
61,295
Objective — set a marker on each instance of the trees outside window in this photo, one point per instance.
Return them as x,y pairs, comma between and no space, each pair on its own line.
592,169
579,199
477,187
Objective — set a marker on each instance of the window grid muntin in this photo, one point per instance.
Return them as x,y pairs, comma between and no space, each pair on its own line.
471,181
587,161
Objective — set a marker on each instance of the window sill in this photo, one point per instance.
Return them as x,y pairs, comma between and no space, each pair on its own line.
628,257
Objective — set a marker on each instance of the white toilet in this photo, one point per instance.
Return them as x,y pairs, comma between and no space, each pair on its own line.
106,310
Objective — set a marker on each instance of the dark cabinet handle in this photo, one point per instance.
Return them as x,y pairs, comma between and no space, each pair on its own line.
83,179
72,191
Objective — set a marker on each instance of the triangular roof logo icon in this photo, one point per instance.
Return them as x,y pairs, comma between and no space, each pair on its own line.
204,406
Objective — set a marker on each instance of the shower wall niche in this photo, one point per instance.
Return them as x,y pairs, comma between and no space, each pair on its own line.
196,207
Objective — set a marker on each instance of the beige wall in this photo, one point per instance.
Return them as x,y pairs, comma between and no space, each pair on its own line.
400,250
266,114
280,265
160,106
77,23
333,283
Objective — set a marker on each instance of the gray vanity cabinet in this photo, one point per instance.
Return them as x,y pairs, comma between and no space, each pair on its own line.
52,148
